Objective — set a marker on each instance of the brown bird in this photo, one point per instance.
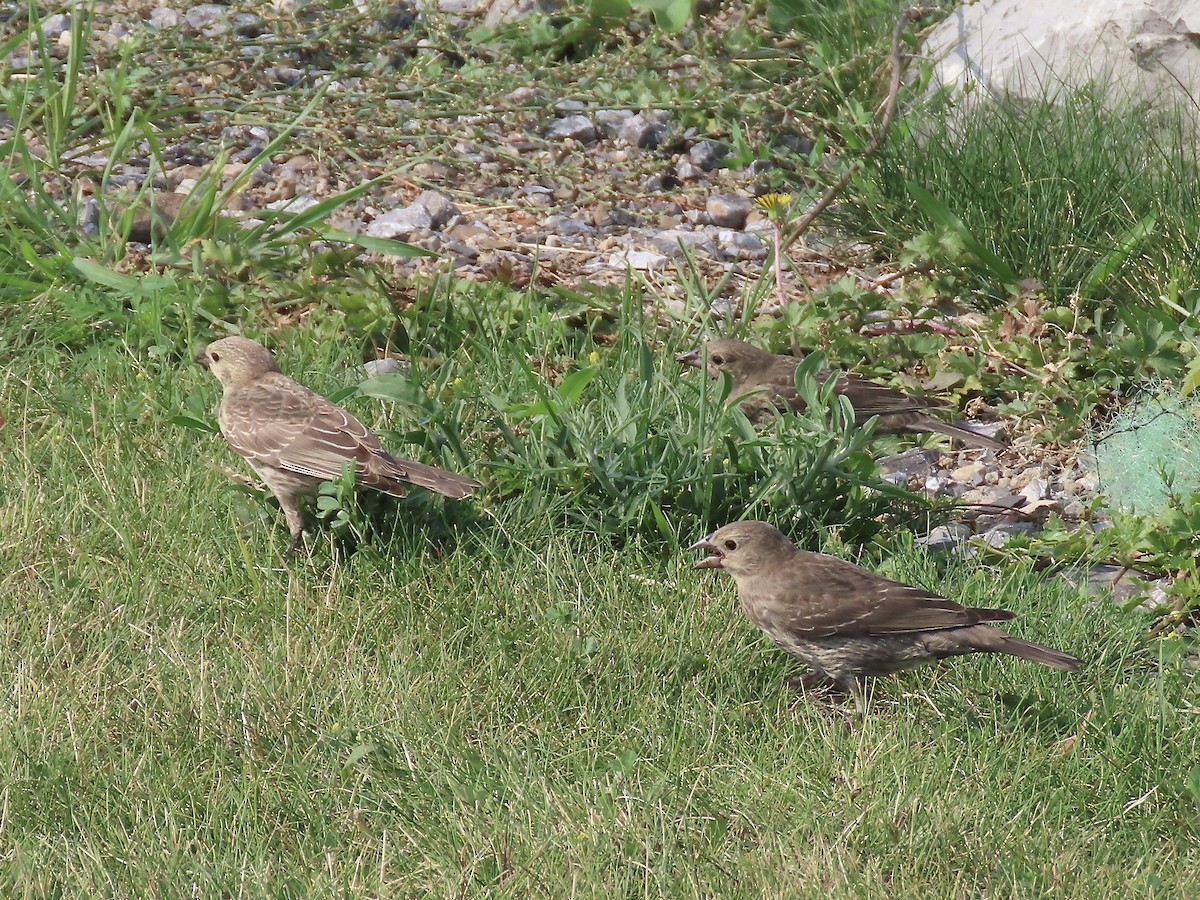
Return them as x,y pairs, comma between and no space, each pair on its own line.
295,439
770,382
845,621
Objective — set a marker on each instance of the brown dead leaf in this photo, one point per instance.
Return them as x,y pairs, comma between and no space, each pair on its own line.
1025,321
1067,745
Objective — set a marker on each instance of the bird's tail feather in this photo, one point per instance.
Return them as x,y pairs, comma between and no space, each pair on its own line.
993,640
1047,656
407,471
962,432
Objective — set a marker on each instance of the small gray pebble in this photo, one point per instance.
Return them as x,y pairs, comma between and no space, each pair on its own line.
440,207
999,535
642,131
727,212
54,26
707,155
686,170
946,537
577,128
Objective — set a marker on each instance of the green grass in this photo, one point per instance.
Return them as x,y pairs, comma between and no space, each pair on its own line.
491,705
532,693
1056,190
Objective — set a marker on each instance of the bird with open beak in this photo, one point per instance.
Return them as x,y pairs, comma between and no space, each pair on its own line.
295,439
847,622
765,383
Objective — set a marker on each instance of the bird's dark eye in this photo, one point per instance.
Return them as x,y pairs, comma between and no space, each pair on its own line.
718,360
731,545
215,357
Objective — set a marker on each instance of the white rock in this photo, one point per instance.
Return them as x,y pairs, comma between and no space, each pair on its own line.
645,130
740,245
400,223
373,368
643,260
725,211
686,171
210,18
915,463
972,474
1028,48
674,241
56,25
990,496
458,7
945,537
524,94
567,225
999,535
1036,489
295,205
440,207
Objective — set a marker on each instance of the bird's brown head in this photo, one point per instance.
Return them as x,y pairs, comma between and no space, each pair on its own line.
237,360
741,360
744,549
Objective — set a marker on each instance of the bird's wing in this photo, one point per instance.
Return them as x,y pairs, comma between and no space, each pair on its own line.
780,372
870,398
283,424
827,597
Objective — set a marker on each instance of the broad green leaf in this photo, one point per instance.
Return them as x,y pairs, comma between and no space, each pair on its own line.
572,386
530,410
207,426
616,10
1191,380
1193,782
374,244
394,387
141,287
670,15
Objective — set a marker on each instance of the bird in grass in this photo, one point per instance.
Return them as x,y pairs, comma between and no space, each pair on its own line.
767,383
847,622
295,439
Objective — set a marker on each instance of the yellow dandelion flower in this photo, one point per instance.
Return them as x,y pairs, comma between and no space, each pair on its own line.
774,205
594,357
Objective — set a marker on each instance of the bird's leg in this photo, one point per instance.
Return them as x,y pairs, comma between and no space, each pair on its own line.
295,521
295,542
298,542
856,687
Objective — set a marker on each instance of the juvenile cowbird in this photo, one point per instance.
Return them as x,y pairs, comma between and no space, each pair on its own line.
768,382
295,439
847,622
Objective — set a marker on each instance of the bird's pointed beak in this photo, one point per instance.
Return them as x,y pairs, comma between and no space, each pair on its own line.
709,562
691,358
202,358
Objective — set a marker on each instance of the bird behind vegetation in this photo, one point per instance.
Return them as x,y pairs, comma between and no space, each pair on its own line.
766,383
